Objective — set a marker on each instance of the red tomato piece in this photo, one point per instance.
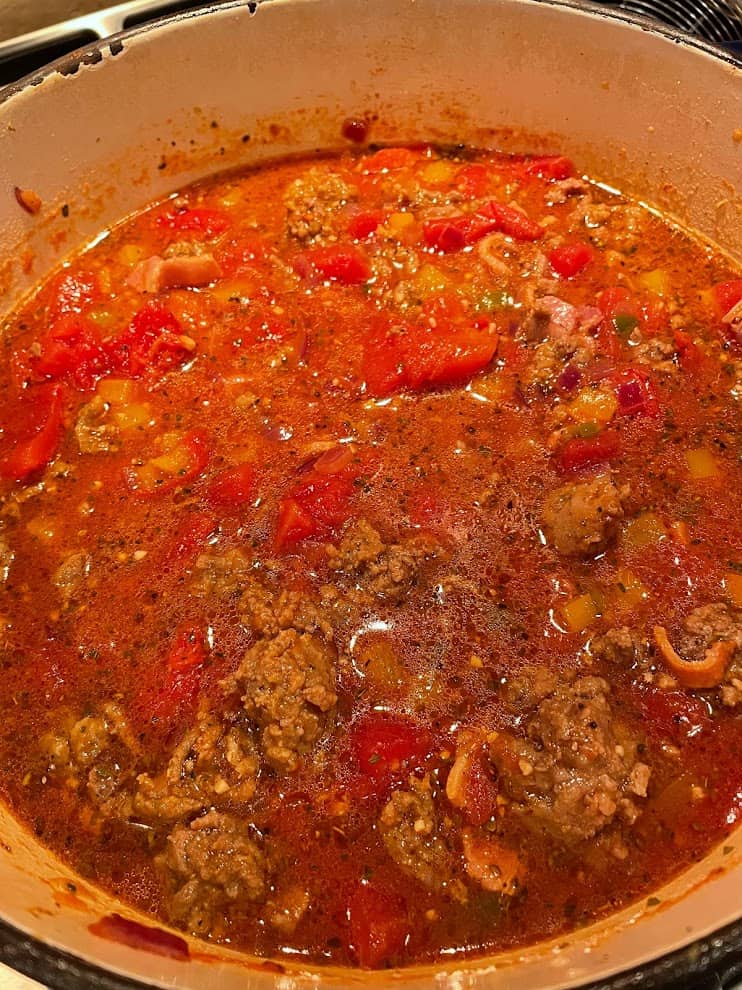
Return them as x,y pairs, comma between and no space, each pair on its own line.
153,341
512,221
346,265
570,259
676,715
180,681
233,486
550,167
450,234
636,393
689,355
209,223
32,451
316,508
363,224
72,350
378,925
388,748
389,160
580,452
727,295
186,652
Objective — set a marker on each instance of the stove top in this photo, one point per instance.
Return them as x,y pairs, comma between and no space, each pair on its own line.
719,21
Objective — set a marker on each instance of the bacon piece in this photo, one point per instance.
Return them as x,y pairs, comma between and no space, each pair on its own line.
156,273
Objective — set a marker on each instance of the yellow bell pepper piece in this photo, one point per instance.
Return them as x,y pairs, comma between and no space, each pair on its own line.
580,612
593,406
733,587
438,173
629,590
657,281
701,463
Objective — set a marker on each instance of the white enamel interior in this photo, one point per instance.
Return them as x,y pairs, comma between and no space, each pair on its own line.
647,114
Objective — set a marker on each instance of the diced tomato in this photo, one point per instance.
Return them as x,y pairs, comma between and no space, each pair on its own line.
635,393
209,223
388,749
315,508
153,341
389,160
726,295
512,221
179,680
72,293
233,486
676,715
450,234
474,180
418,356
569,260
72,350
689,355
581,452
550,167
363,224
346,265
42,428
378,925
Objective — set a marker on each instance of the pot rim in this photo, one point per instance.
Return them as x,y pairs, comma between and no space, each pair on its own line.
718,953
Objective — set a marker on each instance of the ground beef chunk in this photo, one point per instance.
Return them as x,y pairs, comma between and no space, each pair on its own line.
94,753
211,865
621,646
710,624
410,831
580,517
268,611
529,686
216,762
70,577
385,571
576,768
312,203
287,686
220,575
94,432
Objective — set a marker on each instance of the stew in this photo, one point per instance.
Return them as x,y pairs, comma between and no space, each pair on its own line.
370,555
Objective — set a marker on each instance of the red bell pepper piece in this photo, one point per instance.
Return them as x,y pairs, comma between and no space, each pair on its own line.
450,234
209,223
233,486
190,537
33,450
346,265
378,925
181,679
569,260
689,355
581,452
635,393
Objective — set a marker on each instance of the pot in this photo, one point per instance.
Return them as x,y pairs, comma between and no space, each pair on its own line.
106,130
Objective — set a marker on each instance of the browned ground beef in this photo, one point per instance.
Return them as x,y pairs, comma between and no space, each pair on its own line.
215,763
411,833
384,570
580,517
287,686
575,769
710,624
211,865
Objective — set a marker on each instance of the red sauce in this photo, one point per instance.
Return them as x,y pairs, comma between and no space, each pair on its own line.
340,502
